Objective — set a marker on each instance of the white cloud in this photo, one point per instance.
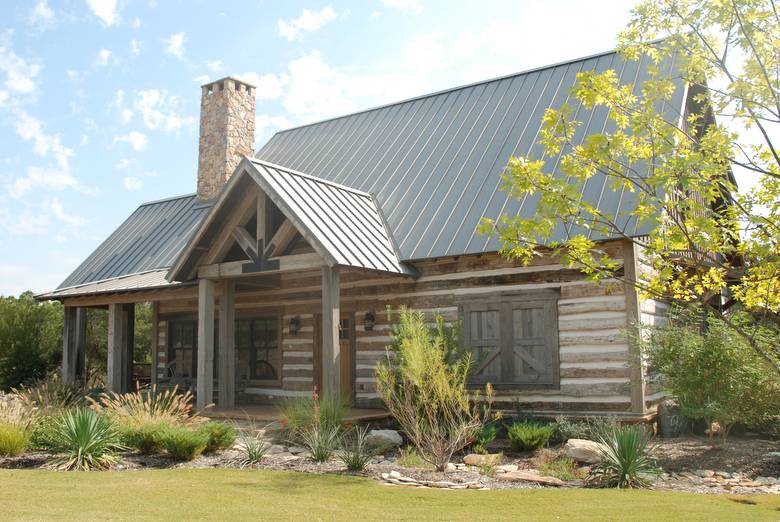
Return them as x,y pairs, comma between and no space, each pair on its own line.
84,140
41,16
68,219
135,47
216,66
174,45
202,79
125,116
269,86
19,74
412,6
106,10
158,111
125,163
132,183
102,57
23,223
137,140
30,128
309,21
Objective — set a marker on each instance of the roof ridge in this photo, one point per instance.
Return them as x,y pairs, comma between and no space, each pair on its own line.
309,176
450,89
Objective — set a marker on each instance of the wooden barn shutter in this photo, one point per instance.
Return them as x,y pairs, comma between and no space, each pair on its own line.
533,354
482,334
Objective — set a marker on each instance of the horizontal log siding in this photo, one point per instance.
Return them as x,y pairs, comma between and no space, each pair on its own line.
161,363
593,348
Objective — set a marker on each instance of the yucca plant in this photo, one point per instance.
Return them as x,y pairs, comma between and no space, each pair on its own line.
149,406
84,439
356,453
625,460
252,448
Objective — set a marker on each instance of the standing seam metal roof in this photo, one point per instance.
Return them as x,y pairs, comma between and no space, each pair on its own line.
435,163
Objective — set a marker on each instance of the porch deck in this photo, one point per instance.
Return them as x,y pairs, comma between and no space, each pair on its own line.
266,413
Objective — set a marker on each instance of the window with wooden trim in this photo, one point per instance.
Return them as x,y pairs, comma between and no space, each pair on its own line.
182,348
514,340
257,345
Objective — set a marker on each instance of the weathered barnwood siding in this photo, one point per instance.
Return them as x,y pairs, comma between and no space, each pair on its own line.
594,372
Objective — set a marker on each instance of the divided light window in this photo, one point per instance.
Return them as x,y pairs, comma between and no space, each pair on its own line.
514,339
257,345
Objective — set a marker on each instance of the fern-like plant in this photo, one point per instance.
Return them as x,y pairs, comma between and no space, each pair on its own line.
625,460
84,439
528,435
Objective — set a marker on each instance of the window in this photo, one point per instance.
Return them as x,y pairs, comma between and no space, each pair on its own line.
514,339
182,348
257,345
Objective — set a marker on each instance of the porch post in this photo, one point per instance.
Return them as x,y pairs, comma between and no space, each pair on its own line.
331,358
205,389
73,343
155,341
120,346
226,396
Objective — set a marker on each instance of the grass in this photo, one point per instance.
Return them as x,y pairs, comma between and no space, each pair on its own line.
217,494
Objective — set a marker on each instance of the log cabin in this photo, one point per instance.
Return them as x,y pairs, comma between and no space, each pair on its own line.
281,272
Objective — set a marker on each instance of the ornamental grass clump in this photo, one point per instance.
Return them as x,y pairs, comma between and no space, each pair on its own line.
84,440
528,435
427,393
13,440
149,406
625,460
302,413
50,396
356,453
146,438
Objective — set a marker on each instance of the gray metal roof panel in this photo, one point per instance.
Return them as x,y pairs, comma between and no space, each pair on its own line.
151,238
123,283
434,163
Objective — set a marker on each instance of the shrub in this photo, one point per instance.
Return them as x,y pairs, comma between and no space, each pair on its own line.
300,414
356,453
528,436
625,462
427,394
85,439
150,405
146,438
591,428
563,468
321,441
713,372
484,437
219,435
184,444
13,439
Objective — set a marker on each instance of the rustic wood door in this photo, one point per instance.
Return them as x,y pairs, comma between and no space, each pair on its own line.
532,359
347,356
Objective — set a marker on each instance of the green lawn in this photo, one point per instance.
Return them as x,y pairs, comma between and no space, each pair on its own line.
246,494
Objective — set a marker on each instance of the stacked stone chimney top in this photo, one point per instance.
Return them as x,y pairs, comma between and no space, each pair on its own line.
227,132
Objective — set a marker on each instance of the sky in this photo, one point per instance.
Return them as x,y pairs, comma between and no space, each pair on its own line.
100,99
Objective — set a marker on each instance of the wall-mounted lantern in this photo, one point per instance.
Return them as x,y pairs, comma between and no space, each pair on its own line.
295,324
369,321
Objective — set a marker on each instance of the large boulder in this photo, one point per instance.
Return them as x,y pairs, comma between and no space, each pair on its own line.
384,439
582,450
530,476
671,421
476,459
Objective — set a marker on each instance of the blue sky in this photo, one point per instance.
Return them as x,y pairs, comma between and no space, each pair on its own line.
99,99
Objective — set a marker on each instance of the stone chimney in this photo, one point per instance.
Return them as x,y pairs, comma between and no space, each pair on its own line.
227,132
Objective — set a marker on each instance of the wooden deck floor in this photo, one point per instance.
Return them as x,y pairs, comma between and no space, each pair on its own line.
265,413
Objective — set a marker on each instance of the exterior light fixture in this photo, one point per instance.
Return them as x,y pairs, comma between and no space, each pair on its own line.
368,321
295,324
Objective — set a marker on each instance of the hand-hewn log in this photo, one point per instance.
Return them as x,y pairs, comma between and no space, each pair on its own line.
226,395
205,387
282,237
73,344
331,357
286,264
247,242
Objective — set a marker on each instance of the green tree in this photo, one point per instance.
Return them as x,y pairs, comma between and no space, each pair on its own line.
705,238
30,339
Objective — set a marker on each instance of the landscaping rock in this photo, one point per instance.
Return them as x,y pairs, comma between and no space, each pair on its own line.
450,467
296,450
528,476
506,468
671,421
475,459
582,450
385,438
276,448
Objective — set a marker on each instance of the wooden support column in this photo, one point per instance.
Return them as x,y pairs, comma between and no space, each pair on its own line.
73,344
155,341
226,395
331,359
121,318
205,388
633,323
